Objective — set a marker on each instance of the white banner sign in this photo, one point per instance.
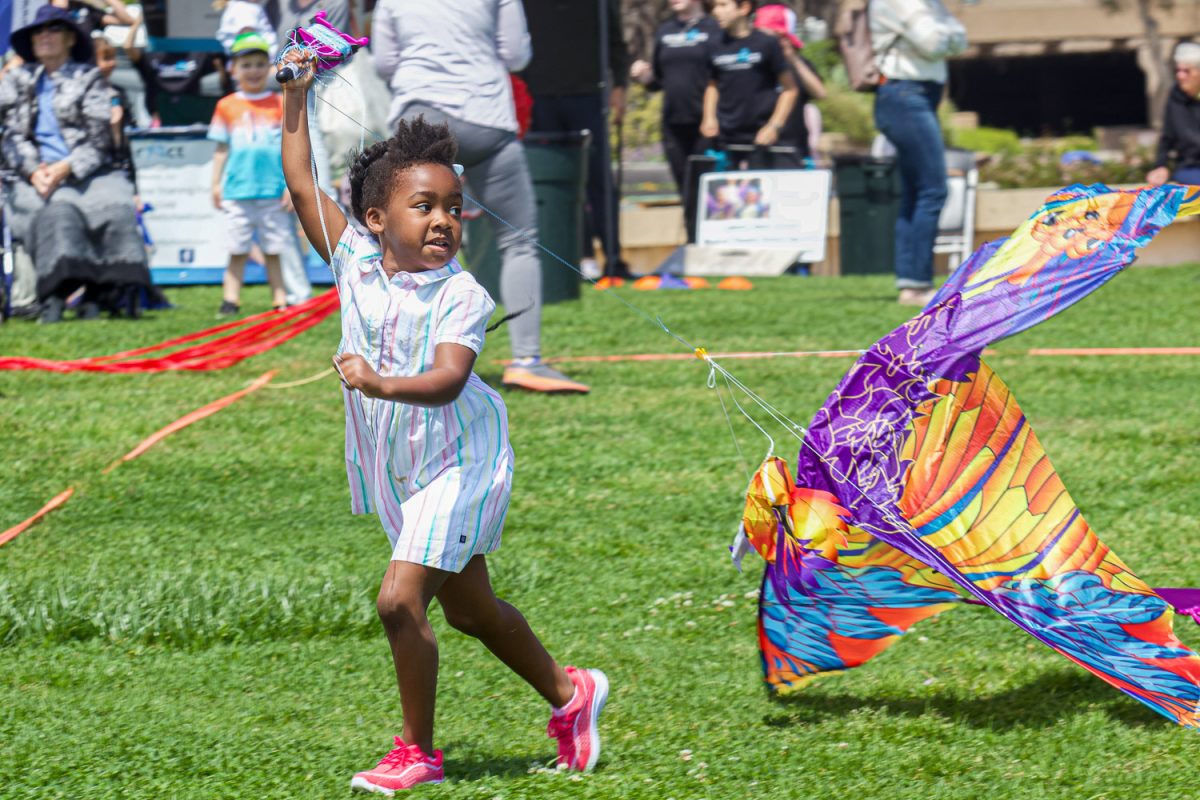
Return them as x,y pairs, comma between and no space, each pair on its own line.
766,209
174,177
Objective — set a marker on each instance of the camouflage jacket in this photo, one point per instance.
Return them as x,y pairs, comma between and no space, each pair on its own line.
82,104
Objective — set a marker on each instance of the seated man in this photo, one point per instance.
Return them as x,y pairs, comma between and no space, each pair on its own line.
1180,139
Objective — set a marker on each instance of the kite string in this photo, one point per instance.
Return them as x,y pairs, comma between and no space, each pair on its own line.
890,513
729,422
794,428
791,426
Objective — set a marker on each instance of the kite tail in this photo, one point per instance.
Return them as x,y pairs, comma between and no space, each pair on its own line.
986,508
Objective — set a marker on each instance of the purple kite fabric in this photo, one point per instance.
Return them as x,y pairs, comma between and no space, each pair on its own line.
920,482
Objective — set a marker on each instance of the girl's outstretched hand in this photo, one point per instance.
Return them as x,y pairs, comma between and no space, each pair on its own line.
357,374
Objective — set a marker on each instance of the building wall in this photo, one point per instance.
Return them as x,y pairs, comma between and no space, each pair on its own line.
1065,24
999,29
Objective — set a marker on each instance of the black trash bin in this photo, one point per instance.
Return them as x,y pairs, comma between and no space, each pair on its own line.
868,190
558,167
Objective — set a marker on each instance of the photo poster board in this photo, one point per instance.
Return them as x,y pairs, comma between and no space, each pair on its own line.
186,231
174,176
766,210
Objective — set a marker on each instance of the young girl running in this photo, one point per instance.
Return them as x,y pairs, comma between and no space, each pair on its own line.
426,440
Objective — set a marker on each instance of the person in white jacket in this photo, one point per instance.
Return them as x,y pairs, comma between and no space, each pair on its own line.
912,39
453,67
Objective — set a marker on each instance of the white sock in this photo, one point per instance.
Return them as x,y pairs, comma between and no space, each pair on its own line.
558,712
526,361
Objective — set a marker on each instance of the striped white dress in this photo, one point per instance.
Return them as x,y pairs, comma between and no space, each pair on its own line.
439,478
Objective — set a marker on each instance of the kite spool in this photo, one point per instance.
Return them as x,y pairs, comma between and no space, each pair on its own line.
327,45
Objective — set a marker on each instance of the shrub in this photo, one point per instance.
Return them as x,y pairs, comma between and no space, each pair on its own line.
643,125
984,140
848,112
1039,163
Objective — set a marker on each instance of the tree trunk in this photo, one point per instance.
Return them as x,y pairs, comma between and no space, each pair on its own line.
641,18
1159,76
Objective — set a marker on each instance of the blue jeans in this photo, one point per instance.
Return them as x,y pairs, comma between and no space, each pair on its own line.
906,113
1187,175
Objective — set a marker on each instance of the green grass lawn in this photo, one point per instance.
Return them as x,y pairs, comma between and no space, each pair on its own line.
200,623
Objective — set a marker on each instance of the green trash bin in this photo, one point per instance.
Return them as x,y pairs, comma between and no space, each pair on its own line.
558,167
868,190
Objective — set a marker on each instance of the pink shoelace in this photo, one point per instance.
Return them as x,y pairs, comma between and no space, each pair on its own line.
402,755
561,727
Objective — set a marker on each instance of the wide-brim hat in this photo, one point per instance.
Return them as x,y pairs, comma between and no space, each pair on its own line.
22,39
780,19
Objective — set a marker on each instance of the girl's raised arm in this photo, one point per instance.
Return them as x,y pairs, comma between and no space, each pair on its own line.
297,170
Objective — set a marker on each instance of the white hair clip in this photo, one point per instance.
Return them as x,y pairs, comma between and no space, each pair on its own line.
458,169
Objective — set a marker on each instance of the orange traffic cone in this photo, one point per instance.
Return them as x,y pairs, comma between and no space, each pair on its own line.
736,283
609,282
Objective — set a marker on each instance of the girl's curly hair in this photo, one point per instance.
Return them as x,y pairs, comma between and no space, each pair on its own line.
373,173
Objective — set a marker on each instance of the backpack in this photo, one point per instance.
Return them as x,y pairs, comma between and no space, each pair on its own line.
853,32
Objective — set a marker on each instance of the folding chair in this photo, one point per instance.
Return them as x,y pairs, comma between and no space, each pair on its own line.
17,277
956,225
7,258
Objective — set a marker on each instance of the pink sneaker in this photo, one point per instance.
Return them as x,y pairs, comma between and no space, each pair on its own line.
403,768
575,725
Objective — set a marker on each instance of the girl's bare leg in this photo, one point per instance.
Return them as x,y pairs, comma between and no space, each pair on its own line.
403,602
472,607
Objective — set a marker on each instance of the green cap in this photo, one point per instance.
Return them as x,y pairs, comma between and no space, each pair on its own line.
250,42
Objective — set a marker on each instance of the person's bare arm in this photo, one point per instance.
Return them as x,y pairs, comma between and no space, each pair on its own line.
442,384
13,62
769,134
119,13
131,49
297,170
219,158
115,12
809,79
708,122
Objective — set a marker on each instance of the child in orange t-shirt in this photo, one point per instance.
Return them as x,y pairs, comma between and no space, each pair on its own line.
248,184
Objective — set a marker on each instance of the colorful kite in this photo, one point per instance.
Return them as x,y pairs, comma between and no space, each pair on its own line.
920,483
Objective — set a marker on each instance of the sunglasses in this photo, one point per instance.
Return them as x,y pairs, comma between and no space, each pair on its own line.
52,27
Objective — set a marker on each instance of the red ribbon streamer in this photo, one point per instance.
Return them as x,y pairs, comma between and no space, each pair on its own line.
143,446
234,342
16,530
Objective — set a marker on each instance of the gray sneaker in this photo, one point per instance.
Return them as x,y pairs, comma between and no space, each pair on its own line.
540,377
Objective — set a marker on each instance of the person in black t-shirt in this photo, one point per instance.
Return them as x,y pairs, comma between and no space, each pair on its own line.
780,22
750,91
679,67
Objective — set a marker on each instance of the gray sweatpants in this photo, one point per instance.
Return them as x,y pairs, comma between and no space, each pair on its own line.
498,176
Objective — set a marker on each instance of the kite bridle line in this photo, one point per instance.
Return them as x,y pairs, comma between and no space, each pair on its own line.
794,428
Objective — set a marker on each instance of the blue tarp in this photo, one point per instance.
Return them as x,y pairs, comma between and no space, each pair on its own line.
5,24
